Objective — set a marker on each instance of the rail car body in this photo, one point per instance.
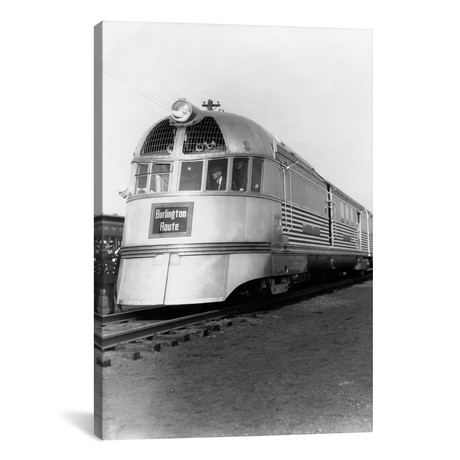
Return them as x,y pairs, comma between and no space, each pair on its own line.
269,221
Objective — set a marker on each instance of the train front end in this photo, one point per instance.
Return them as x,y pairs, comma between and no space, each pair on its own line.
197,225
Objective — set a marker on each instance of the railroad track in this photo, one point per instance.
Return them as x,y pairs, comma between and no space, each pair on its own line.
151,328
121,316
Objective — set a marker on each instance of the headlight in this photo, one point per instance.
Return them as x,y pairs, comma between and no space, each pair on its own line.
181,110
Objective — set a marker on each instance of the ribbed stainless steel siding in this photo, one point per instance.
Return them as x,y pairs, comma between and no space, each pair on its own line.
341,229
303,216
364,241
292,220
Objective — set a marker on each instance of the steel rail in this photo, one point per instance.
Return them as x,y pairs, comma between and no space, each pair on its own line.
104,341
122,316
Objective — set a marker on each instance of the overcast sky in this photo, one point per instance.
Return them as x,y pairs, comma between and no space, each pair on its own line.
312,88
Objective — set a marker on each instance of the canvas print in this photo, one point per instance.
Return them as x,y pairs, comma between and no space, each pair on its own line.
233,230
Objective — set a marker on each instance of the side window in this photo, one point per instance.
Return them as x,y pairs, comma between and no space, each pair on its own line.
190,175
152,178
217,175
159,181
141,179
256,177
342,212
240,174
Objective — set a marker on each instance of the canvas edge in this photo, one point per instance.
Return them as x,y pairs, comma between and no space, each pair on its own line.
98,412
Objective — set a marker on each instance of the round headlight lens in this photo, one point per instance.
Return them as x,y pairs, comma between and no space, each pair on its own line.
181,110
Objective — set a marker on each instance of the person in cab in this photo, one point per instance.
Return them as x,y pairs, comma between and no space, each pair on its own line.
216,180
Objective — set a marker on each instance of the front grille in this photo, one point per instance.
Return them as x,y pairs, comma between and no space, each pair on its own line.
160,140
205,137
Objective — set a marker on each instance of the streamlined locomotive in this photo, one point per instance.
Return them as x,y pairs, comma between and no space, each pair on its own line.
217,204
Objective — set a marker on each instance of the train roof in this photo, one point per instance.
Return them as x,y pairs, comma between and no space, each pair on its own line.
242,136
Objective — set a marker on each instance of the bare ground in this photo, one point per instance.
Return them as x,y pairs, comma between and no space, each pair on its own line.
304,368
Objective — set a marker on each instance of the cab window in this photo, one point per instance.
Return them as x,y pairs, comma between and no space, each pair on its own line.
217,175
240,174
141,179
159,178
152,178
256,176
190,175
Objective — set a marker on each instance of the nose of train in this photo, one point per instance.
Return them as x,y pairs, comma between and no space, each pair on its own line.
170,279
176,279
221,243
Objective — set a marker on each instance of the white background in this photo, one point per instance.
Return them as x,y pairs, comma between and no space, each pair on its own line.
310,87
47,148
